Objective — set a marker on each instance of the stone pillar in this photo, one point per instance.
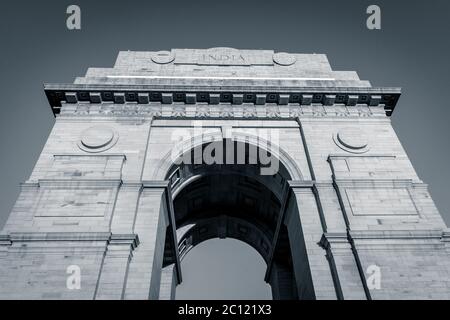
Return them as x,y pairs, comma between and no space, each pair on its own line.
344,267
144,274
125,208
169,282
113,274
282,282
335,241
304,224
118,254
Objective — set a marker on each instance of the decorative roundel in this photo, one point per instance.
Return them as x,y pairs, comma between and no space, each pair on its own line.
163,57
284,59
352,140
97,139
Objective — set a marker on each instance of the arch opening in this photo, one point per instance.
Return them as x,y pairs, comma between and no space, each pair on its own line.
223,269
233,201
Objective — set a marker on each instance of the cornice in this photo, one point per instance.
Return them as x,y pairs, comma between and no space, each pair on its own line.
57,94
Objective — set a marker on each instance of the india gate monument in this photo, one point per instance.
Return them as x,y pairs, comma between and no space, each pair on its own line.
168,149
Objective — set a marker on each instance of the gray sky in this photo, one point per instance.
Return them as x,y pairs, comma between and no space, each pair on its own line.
222,260
411,51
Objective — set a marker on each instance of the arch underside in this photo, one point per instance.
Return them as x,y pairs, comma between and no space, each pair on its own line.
233,201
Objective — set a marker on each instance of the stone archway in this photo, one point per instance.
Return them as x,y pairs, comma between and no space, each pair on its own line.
235,201
248,211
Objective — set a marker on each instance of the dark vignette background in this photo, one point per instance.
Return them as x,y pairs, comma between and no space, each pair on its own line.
411,51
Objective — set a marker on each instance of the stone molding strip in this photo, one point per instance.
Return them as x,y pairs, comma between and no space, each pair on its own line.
112,239
397,234
246,111
120,94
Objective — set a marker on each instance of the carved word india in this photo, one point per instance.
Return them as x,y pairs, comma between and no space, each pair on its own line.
224,58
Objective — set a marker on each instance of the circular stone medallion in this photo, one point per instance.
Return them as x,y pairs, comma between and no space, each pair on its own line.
284,59
163,57
97,139
351,140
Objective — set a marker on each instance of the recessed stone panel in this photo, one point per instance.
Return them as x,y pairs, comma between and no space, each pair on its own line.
86,166
74,202
367,167
380,201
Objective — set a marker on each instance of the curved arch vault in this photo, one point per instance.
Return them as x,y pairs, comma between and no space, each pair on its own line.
234,201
